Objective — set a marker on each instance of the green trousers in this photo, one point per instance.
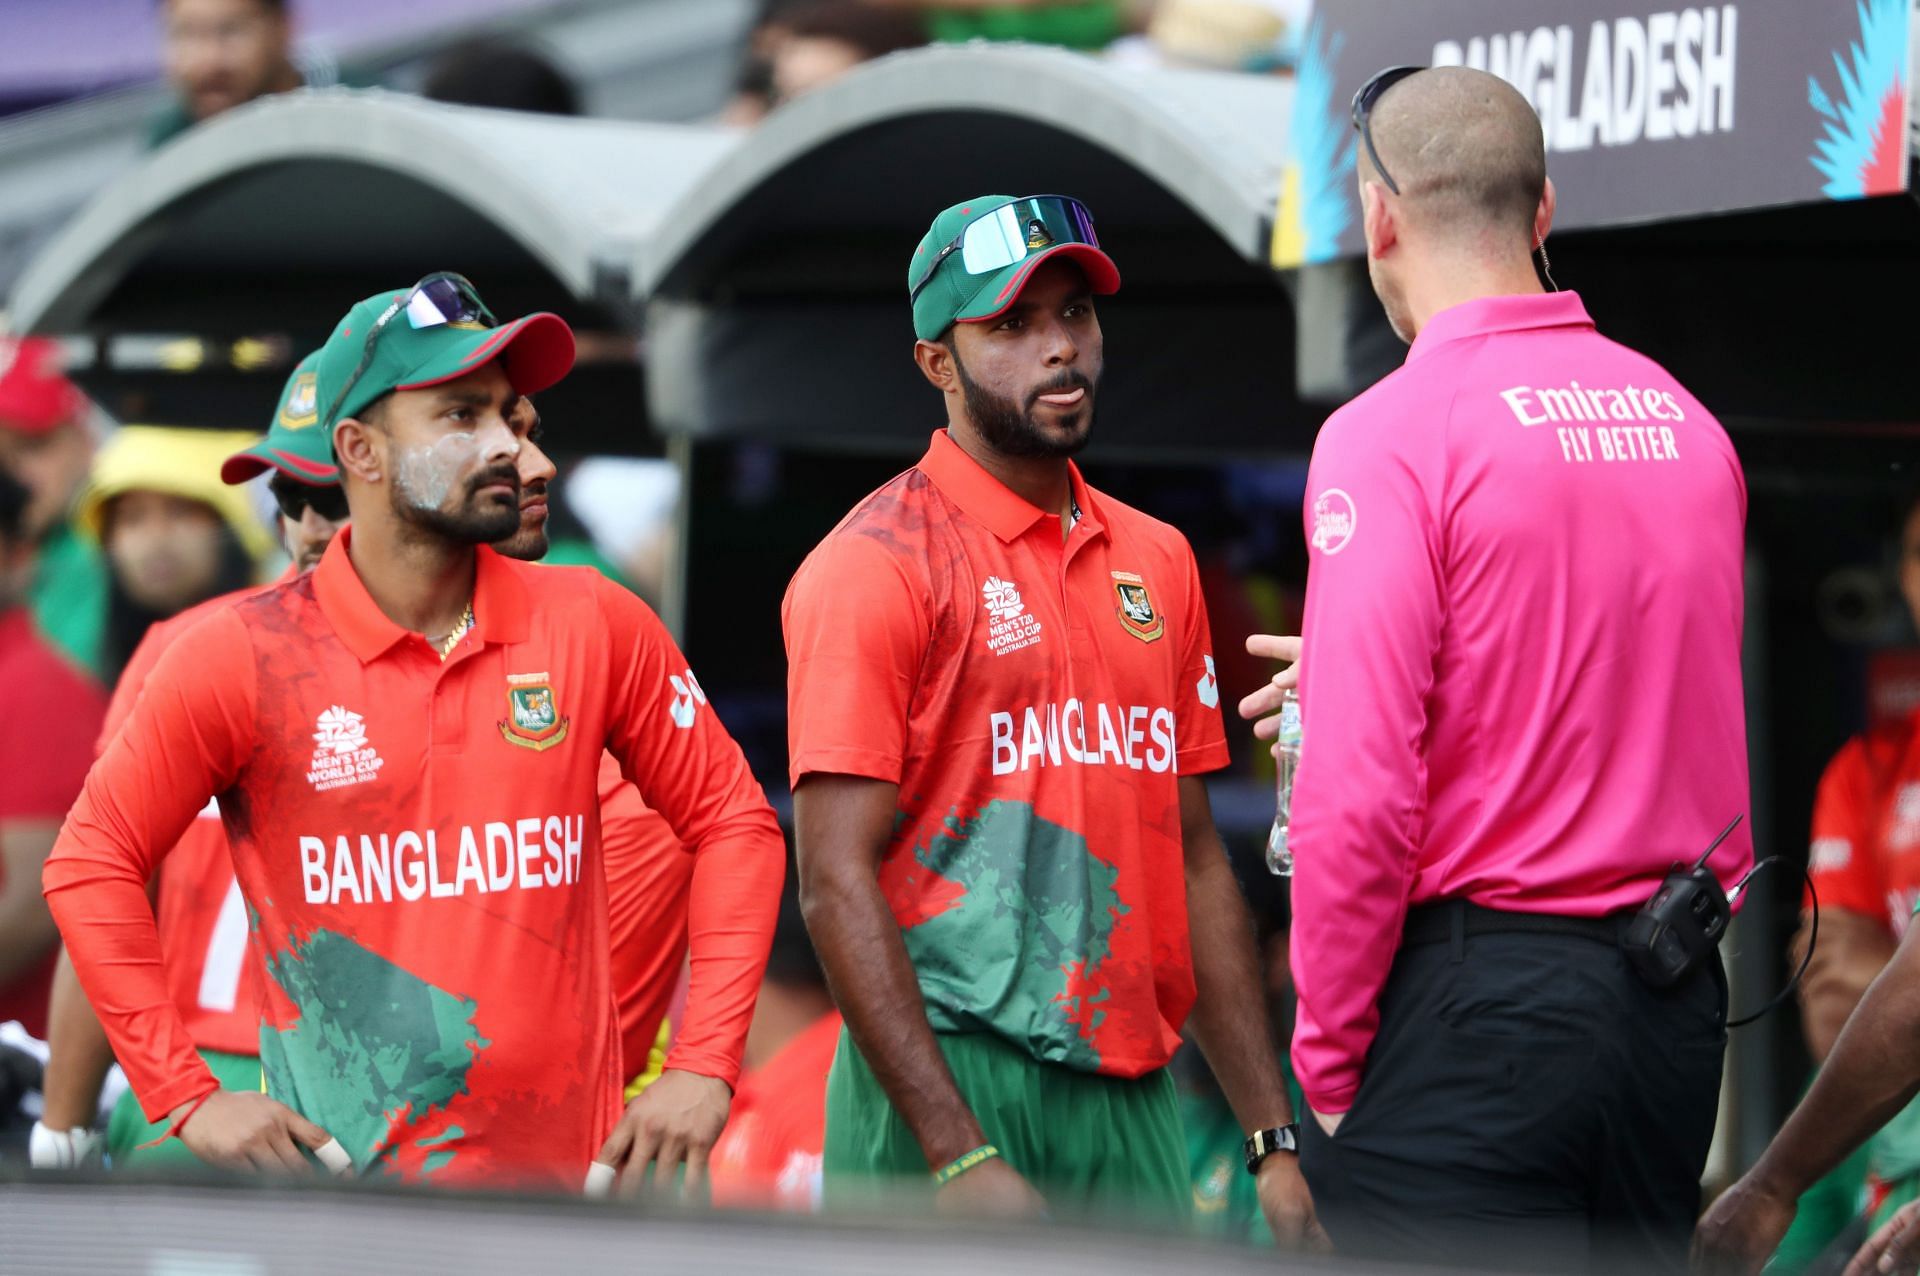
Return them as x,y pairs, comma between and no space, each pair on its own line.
1090,1144
128,1129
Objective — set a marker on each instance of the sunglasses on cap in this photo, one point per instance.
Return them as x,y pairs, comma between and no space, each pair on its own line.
441,298
294,499
1005,235
1365,100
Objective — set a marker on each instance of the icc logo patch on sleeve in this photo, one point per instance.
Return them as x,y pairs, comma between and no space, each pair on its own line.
533,718
1136,610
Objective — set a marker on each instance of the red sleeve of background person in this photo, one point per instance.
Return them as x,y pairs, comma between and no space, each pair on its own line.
53,714
187,738
213,972
649,874
1844,859
153,644
126,692
770,1155
671,745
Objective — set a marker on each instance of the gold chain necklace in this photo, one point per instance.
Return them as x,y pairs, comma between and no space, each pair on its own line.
446,645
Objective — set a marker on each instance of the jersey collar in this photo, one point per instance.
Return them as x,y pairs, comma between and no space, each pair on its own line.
1485,316
499,603
992,503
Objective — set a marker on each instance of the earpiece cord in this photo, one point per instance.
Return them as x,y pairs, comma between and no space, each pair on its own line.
1813,936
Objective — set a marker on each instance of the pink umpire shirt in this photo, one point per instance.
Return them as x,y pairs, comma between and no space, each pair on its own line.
1521,682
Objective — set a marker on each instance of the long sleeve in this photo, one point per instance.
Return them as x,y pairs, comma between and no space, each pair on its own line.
185,741
1372,625
671,744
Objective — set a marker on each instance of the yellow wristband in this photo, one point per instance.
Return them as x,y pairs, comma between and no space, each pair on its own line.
985,1152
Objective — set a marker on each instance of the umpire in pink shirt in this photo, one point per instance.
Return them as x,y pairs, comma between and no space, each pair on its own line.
1522,700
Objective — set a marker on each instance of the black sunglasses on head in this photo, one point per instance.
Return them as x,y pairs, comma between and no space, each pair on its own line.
441,298
1364,100
294,498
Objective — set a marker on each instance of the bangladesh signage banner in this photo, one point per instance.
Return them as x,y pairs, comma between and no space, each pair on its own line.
1649,111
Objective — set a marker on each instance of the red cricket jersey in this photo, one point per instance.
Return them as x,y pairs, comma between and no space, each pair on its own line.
1037,703
770,1155
1866,826
53,713
418,844
198,909
649,876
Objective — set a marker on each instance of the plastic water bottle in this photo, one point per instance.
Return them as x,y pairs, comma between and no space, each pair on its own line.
1287,761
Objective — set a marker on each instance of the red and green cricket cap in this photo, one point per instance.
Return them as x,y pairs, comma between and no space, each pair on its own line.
436,331
295,445
978,255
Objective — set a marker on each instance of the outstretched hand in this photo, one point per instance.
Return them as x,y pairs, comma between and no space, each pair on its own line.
1264,704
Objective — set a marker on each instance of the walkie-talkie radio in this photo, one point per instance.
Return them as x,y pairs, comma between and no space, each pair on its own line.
1677,929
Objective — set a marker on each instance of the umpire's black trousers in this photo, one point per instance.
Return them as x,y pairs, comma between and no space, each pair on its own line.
1528,1103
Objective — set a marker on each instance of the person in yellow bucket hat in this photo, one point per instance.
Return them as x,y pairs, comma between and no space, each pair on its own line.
173,533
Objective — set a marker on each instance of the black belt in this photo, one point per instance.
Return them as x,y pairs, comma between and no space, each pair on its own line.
1456,919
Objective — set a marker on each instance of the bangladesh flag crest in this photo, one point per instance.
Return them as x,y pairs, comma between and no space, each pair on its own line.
1136,610
533,718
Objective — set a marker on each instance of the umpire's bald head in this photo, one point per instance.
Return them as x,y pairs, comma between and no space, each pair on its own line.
1466,152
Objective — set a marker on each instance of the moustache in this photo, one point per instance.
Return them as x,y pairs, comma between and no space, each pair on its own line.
503,474
1065,383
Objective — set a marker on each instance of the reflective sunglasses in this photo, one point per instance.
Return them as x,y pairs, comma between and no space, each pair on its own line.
294,499
1365,100
440,298
1005,235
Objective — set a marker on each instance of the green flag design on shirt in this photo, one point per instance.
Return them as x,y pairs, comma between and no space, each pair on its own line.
1019,951
375,1046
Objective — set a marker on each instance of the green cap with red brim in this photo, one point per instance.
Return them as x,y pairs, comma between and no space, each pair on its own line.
535,352
964,274
295,445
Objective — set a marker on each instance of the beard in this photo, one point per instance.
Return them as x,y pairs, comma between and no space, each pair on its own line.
1010,429
528,544
469,522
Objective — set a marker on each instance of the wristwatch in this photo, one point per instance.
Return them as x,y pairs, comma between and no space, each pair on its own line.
1265,1143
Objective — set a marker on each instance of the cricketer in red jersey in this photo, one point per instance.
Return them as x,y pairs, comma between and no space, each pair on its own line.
1007,858
197,905
650,873
406,743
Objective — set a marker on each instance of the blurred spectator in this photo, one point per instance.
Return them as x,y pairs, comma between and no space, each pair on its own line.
796,48
621,508
1866,826
509,77
1219,35
769,1157
1076,24
220,54
53,713
174,534
47,445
